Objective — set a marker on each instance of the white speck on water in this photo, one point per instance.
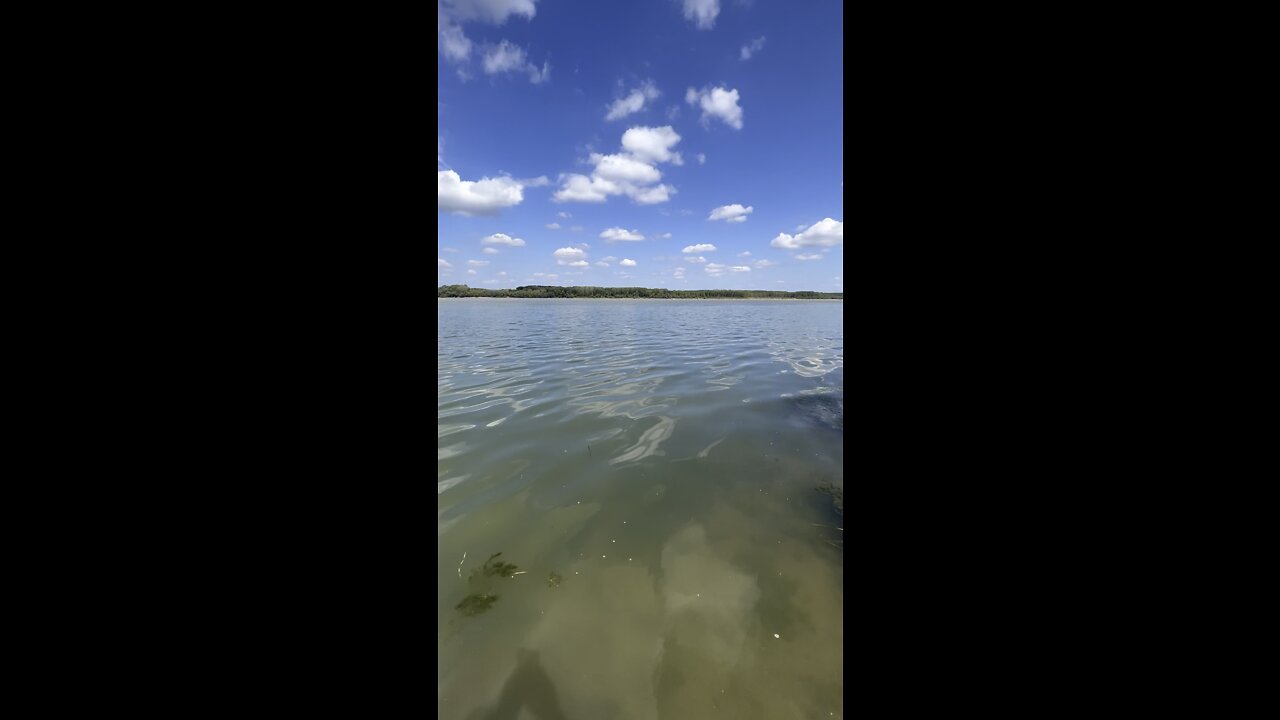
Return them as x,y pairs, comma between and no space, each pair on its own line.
777,636
604,556
628,559
613,541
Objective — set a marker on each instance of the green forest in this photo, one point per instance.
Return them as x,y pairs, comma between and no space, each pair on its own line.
555,291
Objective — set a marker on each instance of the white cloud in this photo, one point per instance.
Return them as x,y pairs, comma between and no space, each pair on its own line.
802,226
764,263
717,103
580,188
576,228
824,233
582,245
701,247
610,259
634,102
745,253
702,12
549,276
578,263
714,269
564,214
628,173
453,42
442,263
553,226
702,158
627,262
739,268
673,113
450,14
662,236
502,274
539,181
490,251
494,12
481,197
471,272
814,256
695,260
449,249
734,213
507,58
752,48
567,255
477,263
624,169
653,195
501,239
616,233
650,144
602,263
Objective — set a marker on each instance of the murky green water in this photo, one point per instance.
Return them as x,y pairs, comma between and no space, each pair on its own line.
664,482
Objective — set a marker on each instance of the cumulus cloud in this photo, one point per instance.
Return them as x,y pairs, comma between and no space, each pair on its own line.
625,169
610,259
549,276
564,214
614,234
631,172
442,263
489,251
739,268
583,245
662,236
481,197
578,263
602,263
734,213
494,12
814,256
477,263
508,58
567,255
717,103
471,272
501,239
649,144
745,253
764,263
634,102
702,12
824,233
702,158
701,247
714,269
696,260
450,14
627,262
553,226
752,48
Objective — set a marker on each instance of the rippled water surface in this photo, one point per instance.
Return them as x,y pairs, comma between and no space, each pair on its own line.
664,482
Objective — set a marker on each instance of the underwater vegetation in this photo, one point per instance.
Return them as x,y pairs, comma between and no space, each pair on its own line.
481,600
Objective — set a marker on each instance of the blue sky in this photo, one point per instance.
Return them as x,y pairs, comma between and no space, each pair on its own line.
650,143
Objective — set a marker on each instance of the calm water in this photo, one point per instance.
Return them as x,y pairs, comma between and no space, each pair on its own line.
650,472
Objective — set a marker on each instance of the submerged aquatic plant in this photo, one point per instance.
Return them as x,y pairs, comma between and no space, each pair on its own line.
475,603
554,579
491,568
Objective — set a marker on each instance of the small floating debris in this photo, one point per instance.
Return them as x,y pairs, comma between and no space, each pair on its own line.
554,579
777,636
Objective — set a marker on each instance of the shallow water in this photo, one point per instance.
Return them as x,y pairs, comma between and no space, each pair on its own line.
664,482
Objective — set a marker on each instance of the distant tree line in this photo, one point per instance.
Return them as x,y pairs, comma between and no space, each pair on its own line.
555,291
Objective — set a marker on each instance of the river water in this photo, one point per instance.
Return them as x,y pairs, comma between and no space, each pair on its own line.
664,482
